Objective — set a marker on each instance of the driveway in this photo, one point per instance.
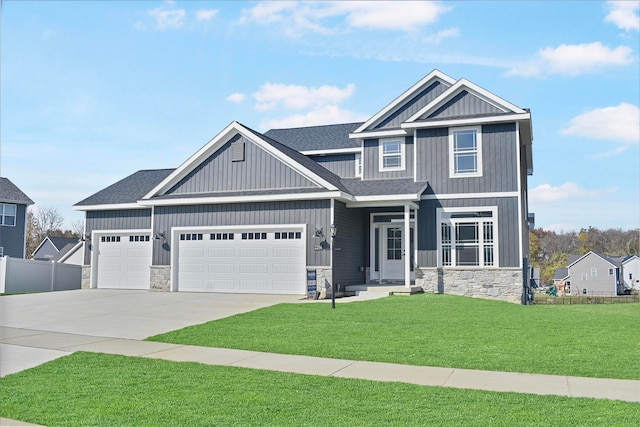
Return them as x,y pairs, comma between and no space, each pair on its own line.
128,314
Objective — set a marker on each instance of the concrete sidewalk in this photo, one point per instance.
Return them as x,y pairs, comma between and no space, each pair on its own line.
15,339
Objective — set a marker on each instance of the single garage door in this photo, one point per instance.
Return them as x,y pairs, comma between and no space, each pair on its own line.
270,261
124,261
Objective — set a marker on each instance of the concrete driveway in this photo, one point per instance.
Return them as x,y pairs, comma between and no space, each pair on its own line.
89,313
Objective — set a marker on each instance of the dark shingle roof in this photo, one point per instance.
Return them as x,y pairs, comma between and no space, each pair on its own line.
61,242
11,194
561,273
357,187
312,138
128,190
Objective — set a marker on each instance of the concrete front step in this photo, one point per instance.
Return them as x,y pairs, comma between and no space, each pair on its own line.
385,289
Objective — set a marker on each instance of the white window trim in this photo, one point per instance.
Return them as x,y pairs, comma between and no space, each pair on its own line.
381,156
496,237
358,165
452,172
2,214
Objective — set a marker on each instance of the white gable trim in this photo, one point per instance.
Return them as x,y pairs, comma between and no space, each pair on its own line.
467,122
71,252
590,253
472,88
218,141
107,207
379,133
433,76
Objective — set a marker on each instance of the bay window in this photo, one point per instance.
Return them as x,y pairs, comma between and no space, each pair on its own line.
467,238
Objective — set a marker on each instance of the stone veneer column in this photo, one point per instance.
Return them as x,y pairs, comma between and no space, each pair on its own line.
504,284
160,278
85,281
323,281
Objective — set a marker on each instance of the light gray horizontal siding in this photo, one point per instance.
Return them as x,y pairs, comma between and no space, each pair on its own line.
412,106
126,219
313,213
343,165
464,104
259,170
499,161
508,230
371,161
350,244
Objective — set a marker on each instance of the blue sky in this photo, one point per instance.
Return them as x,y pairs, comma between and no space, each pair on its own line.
94,91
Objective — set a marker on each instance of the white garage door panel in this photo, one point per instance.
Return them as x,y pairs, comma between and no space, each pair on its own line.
123,261
262,262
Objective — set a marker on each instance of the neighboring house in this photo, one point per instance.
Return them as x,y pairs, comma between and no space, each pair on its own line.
631,272
594,274
13,219
51,248
430,191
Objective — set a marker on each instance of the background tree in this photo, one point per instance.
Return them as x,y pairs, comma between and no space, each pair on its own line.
43,222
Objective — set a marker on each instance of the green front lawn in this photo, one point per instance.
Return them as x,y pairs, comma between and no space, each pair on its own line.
441,330
87,389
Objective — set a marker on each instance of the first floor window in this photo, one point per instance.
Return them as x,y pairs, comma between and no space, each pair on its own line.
467,239
8,214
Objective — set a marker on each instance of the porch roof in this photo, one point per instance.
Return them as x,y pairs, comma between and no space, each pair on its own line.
384,187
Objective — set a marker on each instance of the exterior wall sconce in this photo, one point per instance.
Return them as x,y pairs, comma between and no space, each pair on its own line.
318,234
85,237
160,236
334,230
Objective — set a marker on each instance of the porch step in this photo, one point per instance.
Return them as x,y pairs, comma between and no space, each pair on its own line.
364,290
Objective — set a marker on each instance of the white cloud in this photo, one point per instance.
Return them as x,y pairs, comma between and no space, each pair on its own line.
546,193
443,35
573,60
620,124
624,14
166,19
206,14
237,97
328,114
296,97
311,16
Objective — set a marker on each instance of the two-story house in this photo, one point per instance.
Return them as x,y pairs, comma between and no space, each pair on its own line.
431,191
13,219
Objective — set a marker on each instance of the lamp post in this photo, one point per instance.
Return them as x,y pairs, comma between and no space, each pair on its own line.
333,231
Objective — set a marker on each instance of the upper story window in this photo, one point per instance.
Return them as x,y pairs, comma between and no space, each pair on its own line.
391,154
8,214
465,152
358,165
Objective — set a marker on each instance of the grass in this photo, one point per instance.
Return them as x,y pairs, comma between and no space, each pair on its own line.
441,330
86,389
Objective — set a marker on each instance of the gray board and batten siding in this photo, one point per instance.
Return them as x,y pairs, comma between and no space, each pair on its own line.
508,230
343,165
258,170
371,161
499,161
350,244
464,104
410,108
313,213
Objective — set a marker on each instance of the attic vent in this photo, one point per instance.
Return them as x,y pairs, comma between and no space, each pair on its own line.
237,151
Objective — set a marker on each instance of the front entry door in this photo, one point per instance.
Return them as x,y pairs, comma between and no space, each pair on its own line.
392,252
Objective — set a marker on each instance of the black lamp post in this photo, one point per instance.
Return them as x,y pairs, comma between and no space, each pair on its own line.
333,232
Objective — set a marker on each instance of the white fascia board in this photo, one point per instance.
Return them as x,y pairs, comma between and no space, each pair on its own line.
432,76
240,199
379,134
72,251
395,197
114,207
39,246
469,195
331,151
383,203
464,84
467,122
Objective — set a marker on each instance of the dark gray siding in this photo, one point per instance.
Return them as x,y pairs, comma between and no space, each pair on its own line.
499,161
259,170
45,252
350,244
370,160
464,104
343,165
508,231
413,106
314,213
126,219
12,238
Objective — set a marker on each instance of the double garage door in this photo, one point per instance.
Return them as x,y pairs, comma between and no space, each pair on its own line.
242,260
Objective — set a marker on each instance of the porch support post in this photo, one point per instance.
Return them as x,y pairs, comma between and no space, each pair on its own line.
415,240
406,250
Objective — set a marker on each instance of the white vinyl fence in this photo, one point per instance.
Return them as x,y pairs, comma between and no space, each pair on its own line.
27,275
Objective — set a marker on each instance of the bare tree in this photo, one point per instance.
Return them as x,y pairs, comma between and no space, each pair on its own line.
43,222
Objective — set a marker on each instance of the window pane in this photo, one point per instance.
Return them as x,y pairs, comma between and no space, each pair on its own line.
446,255
391,147
466,163
467,255
467,233
465,140
10,209
391,162
488,255
9,220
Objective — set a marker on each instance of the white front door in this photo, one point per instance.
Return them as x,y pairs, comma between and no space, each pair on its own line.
392,252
